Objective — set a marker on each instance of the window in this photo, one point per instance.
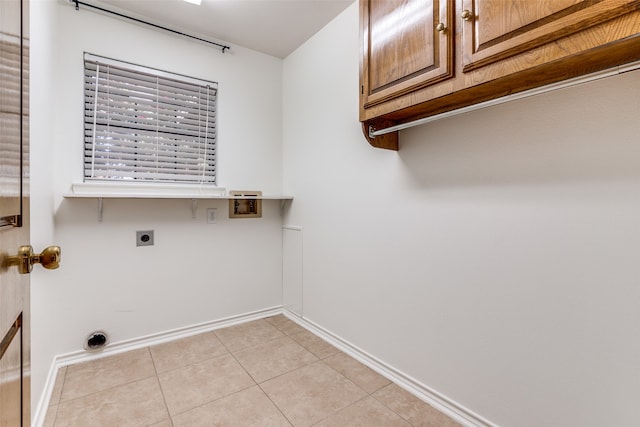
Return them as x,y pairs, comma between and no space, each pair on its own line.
146,125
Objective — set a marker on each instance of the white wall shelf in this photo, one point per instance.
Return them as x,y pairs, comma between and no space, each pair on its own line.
177,196
101,191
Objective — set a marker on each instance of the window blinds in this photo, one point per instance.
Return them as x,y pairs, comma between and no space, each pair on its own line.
10,118
142,124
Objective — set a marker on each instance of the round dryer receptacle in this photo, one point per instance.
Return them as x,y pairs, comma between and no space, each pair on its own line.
96,341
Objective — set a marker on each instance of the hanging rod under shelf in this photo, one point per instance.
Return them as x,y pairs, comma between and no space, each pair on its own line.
520,95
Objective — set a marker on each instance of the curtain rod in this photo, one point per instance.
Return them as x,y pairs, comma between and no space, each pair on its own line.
78,3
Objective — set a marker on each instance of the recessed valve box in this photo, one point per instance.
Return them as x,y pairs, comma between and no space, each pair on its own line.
245,204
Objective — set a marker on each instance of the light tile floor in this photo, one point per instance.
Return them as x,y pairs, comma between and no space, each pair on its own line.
268,372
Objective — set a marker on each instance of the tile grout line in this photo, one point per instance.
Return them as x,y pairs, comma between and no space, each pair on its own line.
387,406
229,353
339,373
366,396
443,405
288,372
64,379
192,363
240,364
214,400
262,340
275,405
164,398
256,382
249,346
340,410
304,331
107,389
259,384
318,360
282,373
371,395
156,375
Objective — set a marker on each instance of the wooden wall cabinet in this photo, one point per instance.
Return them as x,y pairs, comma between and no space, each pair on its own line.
425,57
405,49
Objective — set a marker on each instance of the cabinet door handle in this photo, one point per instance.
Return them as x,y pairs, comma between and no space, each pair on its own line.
441,28
466,15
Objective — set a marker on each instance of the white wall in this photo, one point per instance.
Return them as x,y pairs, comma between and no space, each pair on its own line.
494,258
196,272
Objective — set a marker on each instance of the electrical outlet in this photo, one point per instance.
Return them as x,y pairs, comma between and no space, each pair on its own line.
144,238
212,216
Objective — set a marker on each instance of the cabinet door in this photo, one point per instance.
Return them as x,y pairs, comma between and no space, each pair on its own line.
403,47
497,29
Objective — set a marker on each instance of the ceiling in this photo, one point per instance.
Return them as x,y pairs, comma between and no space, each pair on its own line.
274,27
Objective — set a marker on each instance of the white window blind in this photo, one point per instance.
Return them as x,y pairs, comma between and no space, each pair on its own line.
10,118
142,124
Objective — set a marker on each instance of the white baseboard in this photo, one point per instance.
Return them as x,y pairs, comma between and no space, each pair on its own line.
80,356
442,403
447,406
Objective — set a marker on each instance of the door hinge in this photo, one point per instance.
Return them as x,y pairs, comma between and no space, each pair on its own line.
10,221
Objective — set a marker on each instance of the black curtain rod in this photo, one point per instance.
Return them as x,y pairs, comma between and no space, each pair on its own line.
78,3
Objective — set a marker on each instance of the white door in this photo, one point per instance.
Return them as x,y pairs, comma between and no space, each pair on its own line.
16,256
14,209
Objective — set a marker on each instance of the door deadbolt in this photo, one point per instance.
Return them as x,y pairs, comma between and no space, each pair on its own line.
24,260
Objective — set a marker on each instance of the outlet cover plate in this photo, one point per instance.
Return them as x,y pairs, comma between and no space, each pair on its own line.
212,216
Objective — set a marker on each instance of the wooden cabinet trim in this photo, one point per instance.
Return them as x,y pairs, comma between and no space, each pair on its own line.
439,68
572,20
602,46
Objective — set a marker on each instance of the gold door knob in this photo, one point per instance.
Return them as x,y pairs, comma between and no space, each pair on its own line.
466,15
441,27
24,260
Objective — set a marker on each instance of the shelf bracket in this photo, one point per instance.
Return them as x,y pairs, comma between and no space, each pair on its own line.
283,203
388,141
194,207
100,208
